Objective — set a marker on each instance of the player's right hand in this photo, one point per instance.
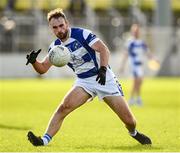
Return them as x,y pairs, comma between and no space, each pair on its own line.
31,58
101,77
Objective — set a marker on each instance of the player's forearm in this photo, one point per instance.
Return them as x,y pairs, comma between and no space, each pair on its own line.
104,56
103,50
40,67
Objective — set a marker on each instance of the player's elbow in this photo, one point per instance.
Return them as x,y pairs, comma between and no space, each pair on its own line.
42,68
104,50
108,52
41,71
100,47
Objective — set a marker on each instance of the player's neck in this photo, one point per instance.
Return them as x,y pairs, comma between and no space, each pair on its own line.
136,37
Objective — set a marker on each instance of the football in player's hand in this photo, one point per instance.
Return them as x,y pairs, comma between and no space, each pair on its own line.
59,55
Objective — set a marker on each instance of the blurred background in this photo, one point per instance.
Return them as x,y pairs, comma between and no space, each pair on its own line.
23,27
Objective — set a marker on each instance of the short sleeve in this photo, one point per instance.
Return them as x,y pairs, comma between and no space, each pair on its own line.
89,37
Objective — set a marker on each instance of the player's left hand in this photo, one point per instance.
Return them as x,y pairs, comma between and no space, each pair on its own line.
31,58
101,77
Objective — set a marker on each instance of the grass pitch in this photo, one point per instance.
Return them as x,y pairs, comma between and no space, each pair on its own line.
28,104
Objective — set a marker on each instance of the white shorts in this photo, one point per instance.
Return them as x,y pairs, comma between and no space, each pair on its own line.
137,71
92,87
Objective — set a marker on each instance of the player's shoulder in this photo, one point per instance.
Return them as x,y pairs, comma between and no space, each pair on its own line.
80,31
141,42
130,40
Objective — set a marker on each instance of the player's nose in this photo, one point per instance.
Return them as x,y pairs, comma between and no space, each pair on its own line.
59,29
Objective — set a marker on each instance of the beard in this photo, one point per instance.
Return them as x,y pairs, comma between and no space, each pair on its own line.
61,35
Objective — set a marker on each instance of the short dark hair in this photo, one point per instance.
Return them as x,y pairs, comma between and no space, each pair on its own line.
56,13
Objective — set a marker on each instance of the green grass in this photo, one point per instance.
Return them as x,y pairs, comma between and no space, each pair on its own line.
28,104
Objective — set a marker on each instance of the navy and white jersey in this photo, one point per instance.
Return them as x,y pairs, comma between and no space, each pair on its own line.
84,61
136,49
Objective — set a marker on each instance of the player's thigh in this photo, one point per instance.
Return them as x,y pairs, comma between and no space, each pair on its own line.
75,98
138,81
121,108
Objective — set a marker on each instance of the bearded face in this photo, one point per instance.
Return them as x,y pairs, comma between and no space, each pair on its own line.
59,27
62,35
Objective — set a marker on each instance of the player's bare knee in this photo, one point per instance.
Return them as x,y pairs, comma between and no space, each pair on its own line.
60,109
64,108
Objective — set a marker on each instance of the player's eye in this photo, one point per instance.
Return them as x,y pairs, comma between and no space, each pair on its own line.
54,27
61,25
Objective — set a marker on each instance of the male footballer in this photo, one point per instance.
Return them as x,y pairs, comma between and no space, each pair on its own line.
136,48
94,78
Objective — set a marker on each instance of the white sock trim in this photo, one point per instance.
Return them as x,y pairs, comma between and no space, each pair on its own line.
46,139
133,133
